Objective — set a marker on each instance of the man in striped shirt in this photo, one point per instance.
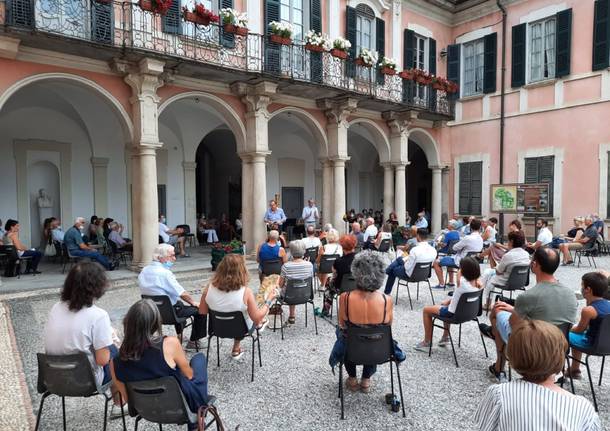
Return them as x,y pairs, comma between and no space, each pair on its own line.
548,300
295,269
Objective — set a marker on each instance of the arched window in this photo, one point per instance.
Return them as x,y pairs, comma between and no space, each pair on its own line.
365,27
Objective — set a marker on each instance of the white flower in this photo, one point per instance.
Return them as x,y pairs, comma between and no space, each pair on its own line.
318,39
232,16
342,44
369,56
388,62
281,29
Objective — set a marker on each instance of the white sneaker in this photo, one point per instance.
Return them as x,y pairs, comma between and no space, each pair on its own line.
444,342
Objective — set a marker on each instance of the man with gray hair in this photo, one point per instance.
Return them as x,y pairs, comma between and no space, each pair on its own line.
295,269
357,232
73,240
587,240
311,240
370,233
310,215
115,236
156,279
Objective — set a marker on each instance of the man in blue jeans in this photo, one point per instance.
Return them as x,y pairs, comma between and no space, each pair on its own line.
73,240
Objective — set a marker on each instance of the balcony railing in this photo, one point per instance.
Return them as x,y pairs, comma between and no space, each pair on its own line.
125,26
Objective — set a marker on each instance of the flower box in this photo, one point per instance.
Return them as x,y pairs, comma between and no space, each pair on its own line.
276,38
387,71
193,17
438,86
360,62
338,53
314,48
240,31
407,74
155,6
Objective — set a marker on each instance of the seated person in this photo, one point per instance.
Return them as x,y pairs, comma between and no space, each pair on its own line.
573,234
11,237
385,233
403,267
412,239
357,232
370,233
363,306
228,291
534,402
548,300
465,229
173,237
92,230
76,324
157,279
311,240
451,236
341,267
208,231
332,247
471,271
489,231
421,222
295,269
393,220
470,243
146,354
56,233
270,250
226,231
73,239
544,238
496,250
515,256
587,240
598,223
594,290
123,244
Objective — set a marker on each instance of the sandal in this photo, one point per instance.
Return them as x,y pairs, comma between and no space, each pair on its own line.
365,387
352,384
292,320
236,354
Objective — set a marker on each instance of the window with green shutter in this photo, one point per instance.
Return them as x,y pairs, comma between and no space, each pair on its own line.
541,170
470,187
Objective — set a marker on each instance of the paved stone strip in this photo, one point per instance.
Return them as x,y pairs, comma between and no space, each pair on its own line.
16,408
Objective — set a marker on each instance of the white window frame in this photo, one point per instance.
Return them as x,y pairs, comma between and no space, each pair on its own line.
466,158
474,42
420,90
299,62
528,60
359,17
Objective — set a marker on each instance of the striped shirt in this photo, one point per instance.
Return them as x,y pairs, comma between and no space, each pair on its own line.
299,270
525,406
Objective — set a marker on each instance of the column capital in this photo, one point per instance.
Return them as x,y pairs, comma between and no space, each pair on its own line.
387,165
400,165
99,162
436,168
337,110
399,122
189,166
145,149
256,97
254,156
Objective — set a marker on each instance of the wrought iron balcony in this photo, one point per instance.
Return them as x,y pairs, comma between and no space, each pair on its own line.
123,29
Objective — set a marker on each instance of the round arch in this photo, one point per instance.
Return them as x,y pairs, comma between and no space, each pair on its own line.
312,125
428,144
126,122
380,140
226,112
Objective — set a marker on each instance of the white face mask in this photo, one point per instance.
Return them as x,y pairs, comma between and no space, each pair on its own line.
163,220
81,227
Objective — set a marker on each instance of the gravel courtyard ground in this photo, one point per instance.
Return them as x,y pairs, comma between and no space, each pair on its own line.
295,389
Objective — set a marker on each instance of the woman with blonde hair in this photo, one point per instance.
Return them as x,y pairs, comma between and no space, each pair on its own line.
332,246
536,350
228,291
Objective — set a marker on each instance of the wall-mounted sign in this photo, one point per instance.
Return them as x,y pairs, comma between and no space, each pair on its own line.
520,198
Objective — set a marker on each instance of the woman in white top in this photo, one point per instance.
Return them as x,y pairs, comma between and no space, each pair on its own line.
536,350
333,247
228,291
490,232
385,233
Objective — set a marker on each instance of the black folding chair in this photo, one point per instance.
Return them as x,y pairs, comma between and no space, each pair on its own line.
298,292
311,254
232,325
348,283
118,255
421,273
385,245
69,376
518,279
161,401
68,258
326,263
455,268
468,309
13,262
599,347
188,235
270,267
370,345
168,314
590,250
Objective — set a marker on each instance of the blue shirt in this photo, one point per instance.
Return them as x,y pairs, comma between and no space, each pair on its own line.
73,239
276,216
421,223
450,236
156,280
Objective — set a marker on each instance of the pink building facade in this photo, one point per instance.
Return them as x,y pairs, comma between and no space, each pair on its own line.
120,112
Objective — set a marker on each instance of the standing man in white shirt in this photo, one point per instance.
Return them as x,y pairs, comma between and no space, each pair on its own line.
310,215
370,234
172,236
472,243
423,252
544,238
157,279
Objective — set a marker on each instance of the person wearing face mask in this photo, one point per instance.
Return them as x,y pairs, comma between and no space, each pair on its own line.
158,279
73,239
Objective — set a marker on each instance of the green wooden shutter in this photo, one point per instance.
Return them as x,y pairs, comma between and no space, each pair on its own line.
601,35
432,69
470,187
315,24
172,20
102,20
518,55
541,170
20,13
380,45
489,61
350,34
272,50
226,39
408,61
464,193
563,42
453,64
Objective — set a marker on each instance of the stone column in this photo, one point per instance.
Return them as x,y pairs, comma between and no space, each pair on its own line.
327,191
437,201
100,185
144,82
190,194
339,194
246,202
257,98
388,190
400,196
